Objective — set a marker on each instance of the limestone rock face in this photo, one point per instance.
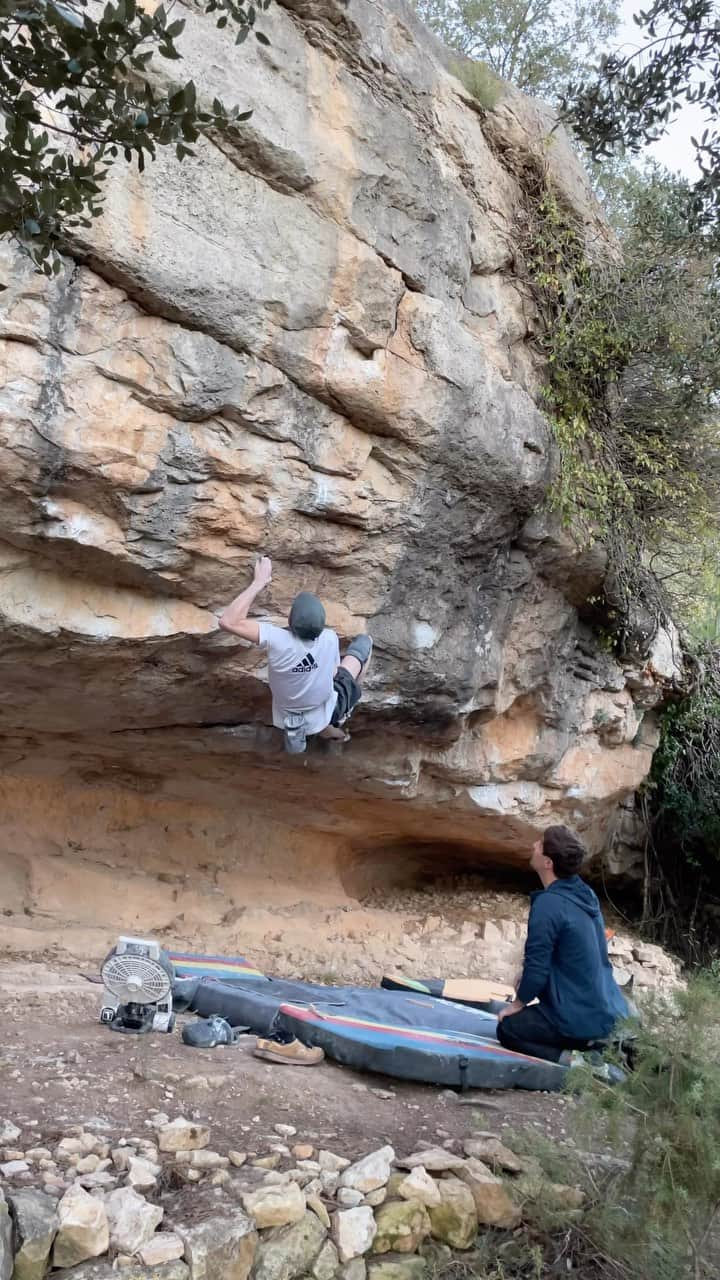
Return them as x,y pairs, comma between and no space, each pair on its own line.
307,341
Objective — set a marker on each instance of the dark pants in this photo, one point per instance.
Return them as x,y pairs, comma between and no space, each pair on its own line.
531,1031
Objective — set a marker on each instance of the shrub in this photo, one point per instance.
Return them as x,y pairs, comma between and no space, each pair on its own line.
632,356
477,77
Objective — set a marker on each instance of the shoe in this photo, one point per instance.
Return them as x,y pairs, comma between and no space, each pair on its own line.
360,648
294,1054
572,1058
208,1033
600,1069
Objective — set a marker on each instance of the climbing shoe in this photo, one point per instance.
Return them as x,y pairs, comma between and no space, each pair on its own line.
360,648
293,1054
208,1033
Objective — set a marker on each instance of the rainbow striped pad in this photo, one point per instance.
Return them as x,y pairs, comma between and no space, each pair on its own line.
418,1053
224,968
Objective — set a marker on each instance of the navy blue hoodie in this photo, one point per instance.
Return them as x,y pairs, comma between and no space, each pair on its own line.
566,961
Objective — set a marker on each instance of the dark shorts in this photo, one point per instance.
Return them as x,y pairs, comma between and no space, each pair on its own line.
348,692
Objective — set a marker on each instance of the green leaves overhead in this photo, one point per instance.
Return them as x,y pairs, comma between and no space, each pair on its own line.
77,95
632,97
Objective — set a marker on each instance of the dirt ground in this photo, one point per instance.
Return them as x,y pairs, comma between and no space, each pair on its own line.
60,1067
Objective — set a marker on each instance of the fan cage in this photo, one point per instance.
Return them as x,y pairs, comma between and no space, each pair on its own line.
151,984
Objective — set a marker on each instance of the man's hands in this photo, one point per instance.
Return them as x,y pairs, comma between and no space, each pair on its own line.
515,1007
263,572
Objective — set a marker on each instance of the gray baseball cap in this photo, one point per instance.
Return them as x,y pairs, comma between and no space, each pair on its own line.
307,616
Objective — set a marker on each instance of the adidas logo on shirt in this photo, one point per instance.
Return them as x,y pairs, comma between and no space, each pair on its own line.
308,664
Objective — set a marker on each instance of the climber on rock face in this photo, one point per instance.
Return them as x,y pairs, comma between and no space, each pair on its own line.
313,690
566,966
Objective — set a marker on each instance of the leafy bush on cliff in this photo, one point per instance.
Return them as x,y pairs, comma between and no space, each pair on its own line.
632,353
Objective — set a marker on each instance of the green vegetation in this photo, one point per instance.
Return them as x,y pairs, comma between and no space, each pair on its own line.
537,46
480,81
633,377
636,91
79,90
682,811
645,1153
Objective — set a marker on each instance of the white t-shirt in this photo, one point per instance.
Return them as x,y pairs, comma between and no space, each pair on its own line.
301,675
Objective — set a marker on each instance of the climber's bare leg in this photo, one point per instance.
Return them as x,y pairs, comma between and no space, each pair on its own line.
356,668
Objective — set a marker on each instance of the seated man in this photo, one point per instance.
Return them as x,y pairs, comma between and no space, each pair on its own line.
313,692
566,966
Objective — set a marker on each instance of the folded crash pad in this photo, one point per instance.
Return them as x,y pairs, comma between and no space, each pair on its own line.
475,992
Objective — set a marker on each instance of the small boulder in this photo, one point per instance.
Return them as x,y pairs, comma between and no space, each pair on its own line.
142,1174
6,1250
275,1206
83,1230
288,1252
221,1247
393,1183
377,1197
493,1203
418,1185
315,1203
183,1135
327,1262
164,1247
329,1181
494,1153
9,1133
402,1268
132,1221
204,1159
434,1160
556,1197
369,1173
330,1163
355,1269
349,1198
353,1231
455,1219
35,1222
402,1225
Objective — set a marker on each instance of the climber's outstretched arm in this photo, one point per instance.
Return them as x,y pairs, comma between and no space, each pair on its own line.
234,618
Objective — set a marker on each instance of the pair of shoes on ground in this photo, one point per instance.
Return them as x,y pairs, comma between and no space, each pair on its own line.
208,1033
293,1054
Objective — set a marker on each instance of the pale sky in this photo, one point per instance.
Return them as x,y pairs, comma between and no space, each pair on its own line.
674,150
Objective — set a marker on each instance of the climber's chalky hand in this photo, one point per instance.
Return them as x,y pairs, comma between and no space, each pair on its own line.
263,571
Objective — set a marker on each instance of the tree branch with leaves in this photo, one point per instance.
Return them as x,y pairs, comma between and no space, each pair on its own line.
77,95
632,97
